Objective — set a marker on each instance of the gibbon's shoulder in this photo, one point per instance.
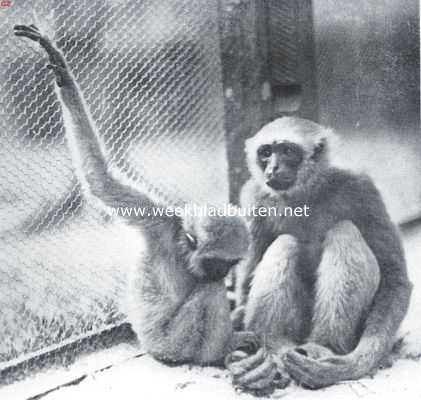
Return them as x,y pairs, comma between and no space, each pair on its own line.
357,188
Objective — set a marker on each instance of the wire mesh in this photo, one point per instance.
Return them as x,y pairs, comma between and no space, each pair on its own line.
150,72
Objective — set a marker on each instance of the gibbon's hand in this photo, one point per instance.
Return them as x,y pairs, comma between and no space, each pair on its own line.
257,373
57,60
315,373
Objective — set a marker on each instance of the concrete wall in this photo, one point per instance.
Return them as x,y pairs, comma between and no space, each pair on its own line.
367,57
368,63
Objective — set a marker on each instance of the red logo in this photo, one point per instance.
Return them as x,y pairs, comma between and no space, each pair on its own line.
5,3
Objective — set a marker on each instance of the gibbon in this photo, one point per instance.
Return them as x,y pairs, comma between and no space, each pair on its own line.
325,293
177,299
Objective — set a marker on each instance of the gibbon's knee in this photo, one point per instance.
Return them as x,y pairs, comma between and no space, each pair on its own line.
275,306
347,279
277,262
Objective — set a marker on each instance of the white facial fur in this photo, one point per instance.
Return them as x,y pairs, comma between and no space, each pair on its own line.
305,133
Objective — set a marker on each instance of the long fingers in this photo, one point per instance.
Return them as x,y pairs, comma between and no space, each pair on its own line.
315,373
247,363
302,373
33,33
264,372
260,384
57,61
257,373
30,27
304,363
29,31
303,378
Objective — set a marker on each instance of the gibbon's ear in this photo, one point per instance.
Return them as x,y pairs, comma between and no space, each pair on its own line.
319,149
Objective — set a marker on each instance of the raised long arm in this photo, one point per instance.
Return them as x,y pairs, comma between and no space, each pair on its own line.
87,153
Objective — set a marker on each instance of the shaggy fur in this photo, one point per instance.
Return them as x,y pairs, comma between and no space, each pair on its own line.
176,306
334,282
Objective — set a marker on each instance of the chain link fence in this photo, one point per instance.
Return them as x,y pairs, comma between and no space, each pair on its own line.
150,72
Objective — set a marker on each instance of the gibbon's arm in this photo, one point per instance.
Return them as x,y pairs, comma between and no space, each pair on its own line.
87,152
392,298
261,240
245,268
390,303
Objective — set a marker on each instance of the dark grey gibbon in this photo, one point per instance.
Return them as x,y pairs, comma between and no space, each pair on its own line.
325,293
177,298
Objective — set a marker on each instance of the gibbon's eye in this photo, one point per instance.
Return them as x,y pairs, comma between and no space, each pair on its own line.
191,240
265,151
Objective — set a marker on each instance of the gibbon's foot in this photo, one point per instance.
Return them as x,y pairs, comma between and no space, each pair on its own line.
257,373
58,63
314,373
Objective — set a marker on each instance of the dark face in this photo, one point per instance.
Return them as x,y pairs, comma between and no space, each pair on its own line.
280,163
216,269
214,266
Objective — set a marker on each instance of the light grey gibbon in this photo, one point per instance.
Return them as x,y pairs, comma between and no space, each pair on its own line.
179,308
325,293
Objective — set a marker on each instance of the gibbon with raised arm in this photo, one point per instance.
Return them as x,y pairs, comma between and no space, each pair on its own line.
178,304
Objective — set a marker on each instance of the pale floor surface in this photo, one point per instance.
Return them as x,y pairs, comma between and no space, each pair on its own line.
144,378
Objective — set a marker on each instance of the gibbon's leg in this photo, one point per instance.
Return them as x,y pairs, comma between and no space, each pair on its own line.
347,280
277,311
278,304
198,329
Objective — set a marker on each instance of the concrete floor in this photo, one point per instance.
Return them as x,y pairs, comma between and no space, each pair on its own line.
142,377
